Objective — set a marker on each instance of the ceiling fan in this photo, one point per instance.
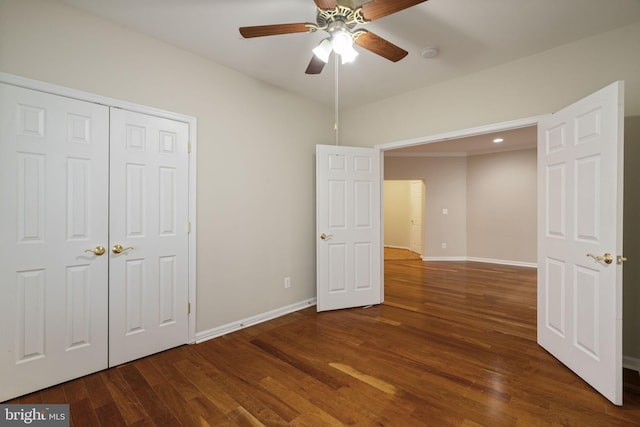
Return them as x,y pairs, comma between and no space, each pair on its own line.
339,18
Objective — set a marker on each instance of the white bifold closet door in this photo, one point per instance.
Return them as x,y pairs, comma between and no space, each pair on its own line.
54,161
69,305
149,214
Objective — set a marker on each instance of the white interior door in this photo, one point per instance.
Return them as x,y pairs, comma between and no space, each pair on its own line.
416,202
349,253
580,159
54,187
148,292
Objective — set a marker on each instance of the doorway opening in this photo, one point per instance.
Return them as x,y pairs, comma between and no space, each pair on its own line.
482,202
403,219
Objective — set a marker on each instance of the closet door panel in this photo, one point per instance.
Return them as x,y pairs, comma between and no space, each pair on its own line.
148,219
54,189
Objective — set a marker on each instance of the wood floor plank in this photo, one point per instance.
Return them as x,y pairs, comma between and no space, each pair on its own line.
178,406
97,391
178,381
150,372
53,395
148,398
207,385
83,414
307,409
208,411
130,408
259,402
109,415
75,391
298,363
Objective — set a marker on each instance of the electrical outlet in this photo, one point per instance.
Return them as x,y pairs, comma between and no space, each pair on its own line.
287,282
444,246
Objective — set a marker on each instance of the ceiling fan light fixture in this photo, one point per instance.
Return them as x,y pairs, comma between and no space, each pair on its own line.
349,55
323,50
341,42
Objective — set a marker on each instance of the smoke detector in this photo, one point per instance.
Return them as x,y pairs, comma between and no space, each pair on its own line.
429,52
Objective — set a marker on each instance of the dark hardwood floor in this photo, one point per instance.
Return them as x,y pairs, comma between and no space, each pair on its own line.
453,345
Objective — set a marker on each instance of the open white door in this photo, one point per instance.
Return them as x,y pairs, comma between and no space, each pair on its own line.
415,221
349,255
580,161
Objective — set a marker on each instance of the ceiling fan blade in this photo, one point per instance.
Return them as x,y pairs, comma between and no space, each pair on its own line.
380,46
377,9
315,65
274,30
326,4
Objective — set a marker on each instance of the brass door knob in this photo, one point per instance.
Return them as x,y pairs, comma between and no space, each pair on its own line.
324,236
116,249
606,258
98,250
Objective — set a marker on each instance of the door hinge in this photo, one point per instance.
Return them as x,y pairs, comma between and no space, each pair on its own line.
189,147
188,227
188,308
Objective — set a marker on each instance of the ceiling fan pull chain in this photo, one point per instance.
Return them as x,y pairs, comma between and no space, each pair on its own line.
335,125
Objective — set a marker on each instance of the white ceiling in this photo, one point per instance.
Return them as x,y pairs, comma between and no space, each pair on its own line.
470,35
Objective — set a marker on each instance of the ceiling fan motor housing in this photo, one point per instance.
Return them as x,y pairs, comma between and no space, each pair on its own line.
341,17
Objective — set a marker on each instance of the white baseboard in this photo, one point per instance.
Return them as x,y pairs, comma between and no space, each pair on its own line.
253,320
485,260
397,247
504,262
444,258
632,363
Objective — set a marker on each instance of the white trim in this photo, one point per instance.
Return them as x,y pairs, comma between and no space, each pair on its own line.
444,258
456,154
397,247
480,130
428,154
54,89
117,103
484,260
632,363
504,262
253,320
193,229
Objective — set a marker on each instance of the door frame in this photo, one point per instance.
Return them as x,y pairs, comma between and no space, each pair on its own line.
125,105
410,202
456,134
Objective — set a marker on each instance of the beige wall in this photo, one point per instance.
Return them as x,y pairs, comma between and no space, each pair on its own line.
491,201
531,86
262,140
501,206
397,210
445,188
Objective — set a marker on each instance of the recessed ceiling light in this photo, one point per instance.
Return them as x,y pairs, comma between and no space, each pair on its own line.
498,140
